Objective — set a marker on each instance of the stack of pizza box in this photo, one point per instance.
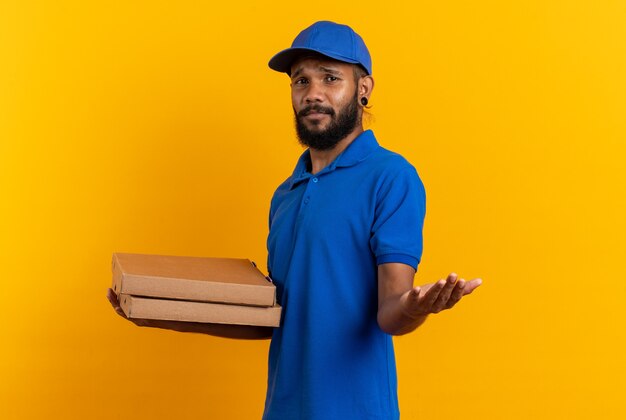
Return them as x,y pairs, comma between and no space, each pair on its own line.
194,289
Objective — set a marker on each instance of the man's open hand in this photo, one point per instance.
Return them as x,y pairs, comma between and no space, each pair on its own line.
435,297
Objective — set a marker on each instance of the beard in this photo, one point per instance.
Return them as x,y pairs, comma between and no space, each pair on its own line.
341,124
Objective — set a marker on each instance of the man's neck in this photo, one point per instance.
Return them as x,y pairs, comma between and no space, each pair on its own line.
322,158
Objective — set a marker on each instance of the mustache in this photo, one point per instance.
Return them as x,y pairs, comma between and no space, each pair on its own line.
316,108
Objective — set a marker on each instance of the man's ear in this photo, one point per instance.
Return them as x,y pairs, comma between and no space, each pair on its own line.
366,86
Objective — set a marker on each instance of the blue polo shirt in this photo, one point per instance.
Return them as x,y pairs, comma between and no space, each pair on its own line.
328,232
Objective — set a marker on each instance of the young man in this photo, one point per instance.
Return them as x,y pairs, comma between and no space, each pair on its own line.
344,244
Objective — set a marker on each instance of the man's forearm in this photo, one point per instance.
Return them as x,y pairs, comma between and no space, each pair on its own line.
393,320
247,332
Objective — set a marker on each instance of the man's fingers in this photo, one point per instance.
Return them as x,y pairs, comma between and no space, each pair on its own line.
471,285
462,288
431,296
112,297
435,297
444,295
457,293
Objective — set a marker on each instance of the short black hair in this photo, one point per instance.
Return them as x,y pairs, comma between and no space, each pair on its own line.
358,71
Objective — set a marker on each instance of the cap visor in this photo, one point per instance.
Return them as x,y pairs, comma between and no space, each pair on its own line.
283,60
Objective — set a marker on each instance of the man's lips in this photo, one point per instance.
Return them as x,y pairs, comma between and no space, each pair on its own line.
315,112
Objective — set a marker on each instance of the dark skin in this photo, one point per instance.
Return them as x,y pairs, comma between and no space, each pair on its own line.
401,306
329,83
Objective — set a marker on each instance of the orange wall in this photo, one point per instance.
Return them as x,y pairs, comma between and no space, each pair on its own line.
158,128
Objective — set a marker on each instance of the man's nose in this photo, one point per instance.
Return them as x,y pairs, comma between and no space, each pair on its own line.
314,93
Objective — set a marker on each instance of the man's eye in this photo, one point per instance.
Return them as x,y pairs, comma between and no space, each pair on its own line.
300,81
331,79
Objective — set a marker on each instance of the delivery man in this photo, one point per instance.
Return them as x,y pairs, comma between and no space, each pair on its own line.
344,243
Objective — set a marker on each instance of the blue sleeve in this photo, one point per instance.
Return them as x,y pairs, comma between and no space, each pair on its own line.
399,218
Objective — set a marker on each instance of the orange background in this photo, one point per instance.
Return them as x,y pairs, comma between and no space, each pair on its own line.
156,127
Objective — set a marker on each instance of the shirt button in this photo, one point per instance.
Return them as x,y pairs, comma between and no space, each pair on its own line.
314,179
306,201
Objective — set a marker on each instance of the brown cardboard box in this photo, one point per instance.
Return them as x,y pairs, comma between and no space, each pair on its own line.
180,310
222,280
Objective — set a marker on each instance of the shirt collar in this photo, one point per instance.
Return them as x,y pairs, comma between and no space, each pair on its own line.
357,151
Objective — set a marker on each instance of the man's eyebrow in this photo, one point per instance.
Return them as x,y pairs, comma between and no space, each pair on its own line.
329,70
296,73
322,69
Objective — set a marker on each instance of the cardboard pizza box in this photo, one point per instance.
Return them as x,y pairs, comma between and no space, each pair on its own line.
219,280
190,311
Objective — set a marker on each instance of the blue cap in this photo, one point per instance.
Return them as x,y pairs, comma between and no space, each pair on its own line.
331,39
